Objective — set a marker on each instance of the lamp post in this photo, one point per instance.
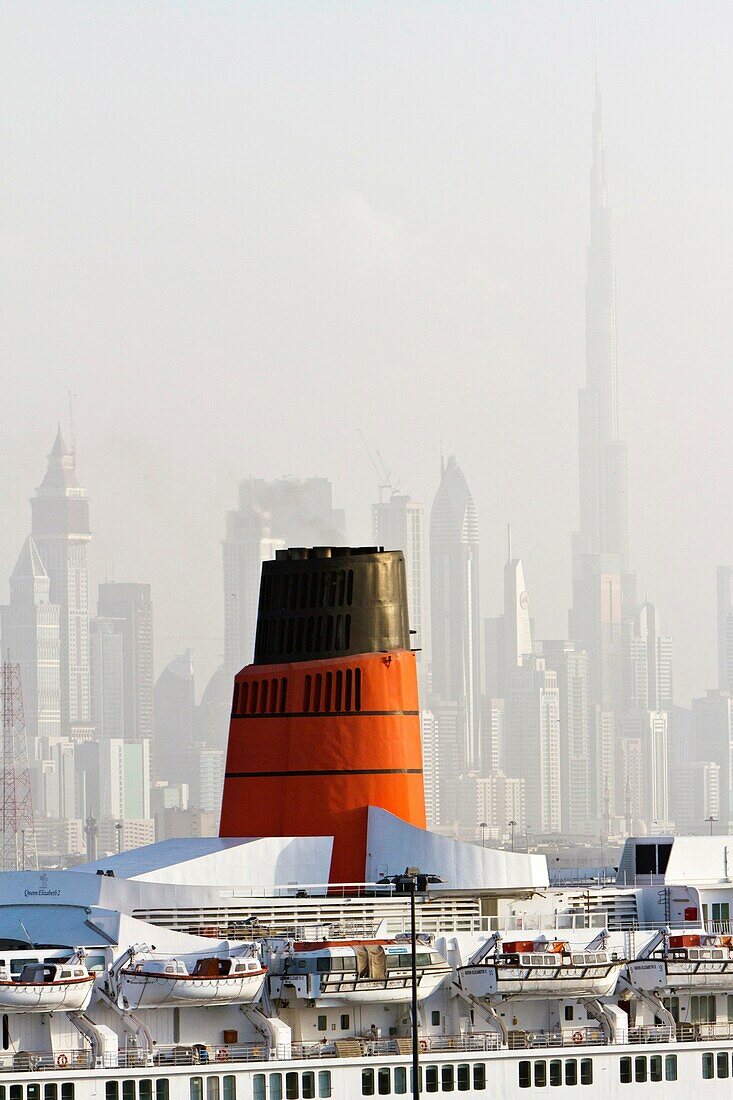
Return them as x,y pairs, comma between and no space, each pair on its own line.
118,827
483,827
410,881
512,823
711,819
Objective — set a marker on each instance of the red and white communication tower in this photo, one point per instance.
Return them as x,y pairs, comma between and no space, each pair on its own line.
17,827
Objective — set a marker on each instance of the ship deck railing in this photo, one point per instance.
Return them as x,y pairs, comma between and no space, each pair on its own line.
201,1054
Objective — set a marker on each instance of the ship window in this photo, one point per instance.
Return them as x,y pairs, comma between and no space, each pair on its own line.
435,1017
50,1092
384,1084
145,1089
670,1067
16,1092
322,1023
162,1088
33,1092
423,959
722,1064
6,1031
67,1090
540,1073
307,694
555,1073
640,1069
345,1021
446,1079
525,1074
707,1067
309,1085
586,1071
276,1086
128,1090
463,1077
324,1083
400,1080
258,1086
571,1071
655,1067
479,1077
367,1082
526,960
323,964
431,1078
177,1027
568,1012
291,1086
702,1009
624,1071
196,1088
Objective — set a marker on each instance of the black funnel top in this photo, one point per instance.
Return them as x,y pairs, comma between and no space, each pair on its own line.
331,601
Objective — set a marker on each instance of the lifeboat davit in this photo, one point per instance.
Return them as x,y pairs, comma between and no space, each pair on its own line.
544,969
342,972
47,987
150,982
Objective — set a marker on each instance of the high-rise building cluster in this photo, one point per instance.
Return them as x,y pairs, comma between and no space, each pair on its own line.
524,739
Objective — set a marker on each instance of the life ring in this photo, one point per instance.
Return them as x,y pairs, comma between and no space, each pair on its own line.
577,1037
424,1046
62,1061
222,1054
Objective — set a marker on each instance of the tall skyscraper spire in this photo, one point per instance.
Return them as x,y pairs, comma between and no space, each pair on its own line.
603,490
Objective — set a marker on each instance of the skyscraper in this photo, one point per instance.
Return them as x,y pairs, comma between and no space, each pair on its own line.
29,631
509,638
648,661
602,585
570,665
725,628
399,524
175,708
270,516
60,527
454,615
107,677
532,750
129,608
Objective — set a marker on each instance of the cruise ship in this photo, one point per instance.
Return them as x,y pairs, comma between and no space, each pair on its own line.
327,944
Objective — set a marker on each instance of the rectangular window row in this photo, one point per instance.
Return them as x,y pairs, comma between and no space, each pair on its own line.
641,1068
332,692
715,1065
261,696
293,591
561,1071
447,1078
51,1091
291,1086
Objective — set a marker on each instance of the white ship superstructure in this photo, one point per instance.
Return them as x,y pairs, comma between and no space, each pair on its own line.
192,982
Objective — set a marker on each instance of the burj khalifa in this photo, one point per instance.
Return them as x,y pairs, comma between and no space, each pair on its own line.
602,586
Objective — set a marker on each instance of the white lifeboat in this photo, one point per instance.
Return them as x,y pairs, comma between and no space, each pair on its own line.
151,982
542,969
341,972
51,986
686,962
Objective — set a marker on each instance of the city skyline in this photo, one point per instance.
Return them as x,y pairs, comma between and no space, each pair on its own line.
455,267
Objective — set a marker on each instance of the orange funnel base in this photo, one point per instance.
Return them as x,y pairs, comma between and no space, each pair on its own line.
313,744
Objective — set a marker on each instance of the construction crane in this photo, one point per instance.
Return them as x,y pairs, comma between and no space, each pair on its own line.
17,826
384,478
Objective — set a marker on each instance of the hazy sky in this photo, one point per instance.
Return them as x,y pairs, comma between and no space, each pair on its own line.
241,231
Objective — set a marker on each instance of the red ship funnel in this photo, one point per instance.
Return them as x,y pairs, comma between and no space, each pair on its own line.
326,722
